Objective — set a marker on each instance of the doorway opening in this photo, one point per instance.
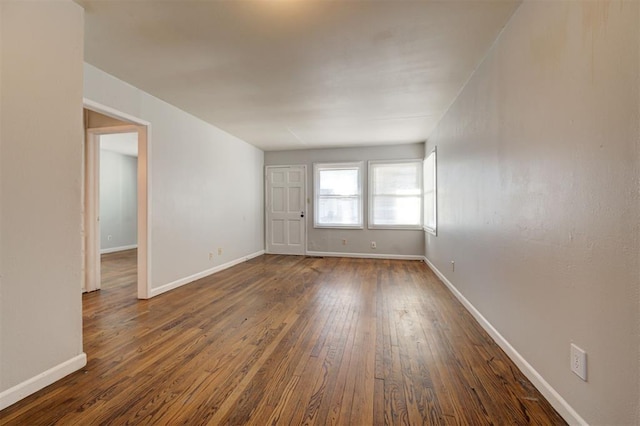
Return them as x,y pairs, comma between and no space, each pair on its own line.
118,200
115,203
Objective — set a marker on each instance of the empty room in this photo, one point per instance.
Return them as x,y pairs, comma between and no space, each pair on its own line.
319,212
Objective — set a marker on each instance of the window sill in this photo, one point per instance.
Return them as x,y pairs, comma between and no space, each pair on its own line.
397,227
433,232
338,227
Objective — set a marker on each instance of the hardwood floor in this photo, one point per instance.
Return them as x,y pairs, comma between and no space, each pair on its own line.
289,340
119,269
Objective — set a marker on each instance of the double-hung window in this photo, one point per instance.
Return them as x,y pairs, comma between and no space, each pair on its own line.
395,194
337,195
430,195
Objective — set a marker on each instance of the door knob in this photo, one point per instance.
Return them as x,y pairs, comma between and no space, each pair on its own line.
301,214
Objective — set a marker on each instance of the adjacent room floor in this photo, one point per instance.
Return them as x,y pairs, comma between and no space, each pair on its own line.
289,340
119,269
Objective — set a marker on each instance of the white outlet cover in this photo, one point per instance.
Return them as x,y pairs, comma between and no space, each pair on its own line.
578,362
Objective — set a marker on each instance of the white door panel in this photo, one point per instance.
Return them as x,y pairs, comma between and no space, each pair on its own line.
285,212
295,236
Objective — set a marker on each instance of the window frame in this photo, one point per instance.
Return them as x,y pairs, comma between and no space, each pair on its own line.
371,194
434,229
346,165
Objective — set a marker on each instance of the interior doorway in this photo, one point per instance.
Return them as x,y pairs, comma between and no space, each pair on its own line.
118,205
115,231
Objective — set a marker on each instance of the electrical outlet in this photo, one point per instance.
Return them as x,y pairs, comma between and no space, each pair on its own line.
373,244
219,251
344,241
211,256
579,362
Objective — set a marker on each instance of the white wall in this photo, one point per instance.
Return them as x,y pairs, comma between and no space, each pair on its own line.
206,185
405,243
118,200
40,186
538,197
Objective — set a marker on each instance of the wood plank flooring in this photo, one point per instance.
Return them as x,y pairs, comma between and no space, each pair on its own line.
119,269
289,340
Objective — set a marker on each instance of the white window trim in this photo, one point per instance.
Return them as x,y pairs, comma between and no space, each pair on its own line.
370,195
434,230
316,190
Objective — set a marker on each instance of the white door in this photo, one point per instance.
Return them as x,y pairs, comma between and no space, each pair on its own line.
285,199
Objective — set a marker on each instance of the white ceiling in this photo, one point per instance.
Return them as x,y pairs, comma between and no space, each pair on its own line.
295,74
122,143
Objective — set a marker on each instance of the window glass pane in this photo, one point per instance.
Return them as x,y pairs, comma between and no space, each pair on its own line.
398,179
429,217
339,210
396,210
338,182
396,194
338,195
429,196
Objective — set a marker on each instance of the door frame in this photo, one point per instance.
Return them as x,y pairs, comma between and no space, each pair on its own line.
91,183
267,226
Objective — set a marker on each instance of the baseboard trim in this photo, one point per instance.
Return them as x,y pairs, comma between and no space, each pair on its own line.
365,255
115,249
558,402
44,379
205,273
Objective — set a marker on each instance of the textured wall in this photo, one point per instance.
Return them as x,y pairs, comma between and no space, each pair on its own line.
40,183
206,185
538,197
118,200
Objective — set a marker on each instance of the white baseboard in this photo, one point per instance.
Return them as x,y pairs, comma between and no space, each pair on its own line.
115,249
34,384
365,255
558,402
205,273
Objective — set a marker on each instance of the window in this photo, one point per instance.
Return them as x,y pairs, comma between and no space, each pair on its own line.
395,194
338,195
430,194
